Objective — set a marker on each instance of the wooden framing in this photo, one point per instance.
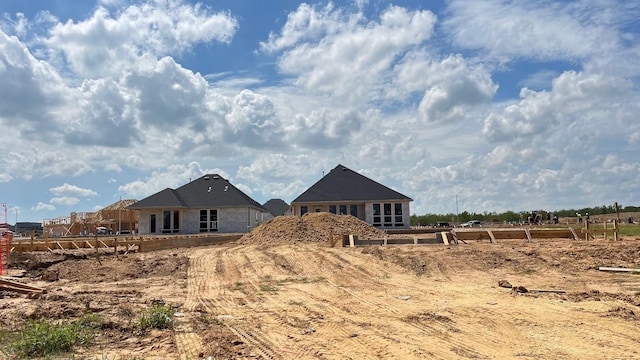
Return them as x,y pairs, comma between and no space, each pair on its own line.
590,232
130,243
456,236
495,234
113,217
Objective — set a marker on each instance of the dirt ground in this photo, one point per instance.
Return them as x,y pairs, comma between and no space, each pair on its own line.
273,295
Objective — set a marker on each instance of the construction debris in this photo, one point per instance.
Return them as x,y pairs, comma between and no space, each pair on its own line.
614,269
14,286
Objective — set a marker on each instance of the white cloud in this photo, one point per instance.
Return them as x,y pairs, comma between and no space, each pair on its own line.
18,26
30,90
270,174
347,55
452,85
108,42
64,200
68,189
539,30
253,122
43,206
325,128
574,98
104,116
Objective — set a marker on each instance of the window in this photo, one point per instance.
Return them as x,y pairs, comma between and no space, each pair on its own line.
208,220
353,210
176,221
152,224
376,215
343,209
166,221
387,214
170,222
391,216
303,210
332,209
398,214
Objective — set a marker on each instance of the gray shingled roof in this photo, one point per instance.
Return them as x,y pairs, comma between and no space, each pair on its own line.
344,184
276,207
208,191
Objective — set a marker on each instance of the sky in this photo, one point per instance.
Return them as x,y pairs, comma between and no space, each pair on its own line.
478,106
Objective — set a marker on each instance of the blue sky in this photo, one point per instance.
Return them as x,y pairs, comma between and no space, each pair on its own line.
510,105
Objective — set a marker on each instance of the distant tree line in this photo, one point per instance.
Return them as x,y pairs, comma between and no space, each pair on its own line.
512,216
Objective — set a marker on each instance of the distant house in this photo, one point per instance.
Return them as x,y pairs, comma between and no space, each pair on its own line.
277,207
208,204
344,191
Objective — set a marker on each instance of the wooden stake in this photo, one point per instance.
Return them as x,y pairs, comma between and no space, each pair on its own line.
614,269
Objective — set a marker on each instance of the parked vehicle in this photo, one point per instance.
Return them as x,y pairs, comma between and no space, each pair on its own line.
472,223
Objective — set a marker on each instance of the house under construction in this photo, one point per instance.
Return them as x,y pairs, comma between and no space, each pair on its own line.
115,217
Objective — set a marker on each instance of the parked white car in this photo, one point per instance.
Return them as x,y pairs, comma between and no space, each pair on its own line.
472,223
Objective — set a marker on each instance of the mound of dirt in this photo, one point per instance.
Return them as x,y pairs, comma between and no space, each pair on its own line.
311,227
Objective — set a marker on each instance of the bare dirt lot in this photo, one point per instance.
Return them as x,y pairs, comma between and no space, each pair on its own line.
282,297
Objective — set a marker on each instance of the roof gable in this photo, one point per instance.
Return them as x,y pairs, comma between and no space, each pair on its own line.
213,190
165,198
208,191
344,184
276,207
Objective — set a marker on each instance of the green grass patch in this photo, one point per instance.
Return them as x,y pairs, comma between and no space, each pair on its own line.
44,338
630,230
160,316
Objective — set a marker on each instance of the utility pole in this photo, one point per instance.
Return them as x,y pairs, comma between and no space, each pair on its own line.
457,212
15,225
120,214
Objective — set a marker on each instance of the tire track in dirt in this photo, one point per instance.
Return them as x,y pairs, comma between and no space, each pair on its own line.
253,267
377,309
375,312
206,281
308,302
215,300
294,266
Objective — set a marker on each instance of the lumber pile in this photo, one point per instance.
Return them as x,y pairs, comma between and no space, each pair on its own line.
14,286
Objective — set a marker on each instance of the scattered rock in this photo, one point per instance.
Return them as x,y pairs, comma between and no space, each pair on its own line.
520,289
308,330
51,275
505,284
404,297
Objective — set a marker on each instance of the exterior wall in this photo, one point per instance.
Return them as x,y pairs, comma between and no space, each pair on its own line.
365,211
324,207
190,221
143,222
230,220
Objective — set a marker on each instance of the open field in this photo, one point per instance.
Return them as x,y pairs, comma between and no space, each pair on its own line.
306,300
